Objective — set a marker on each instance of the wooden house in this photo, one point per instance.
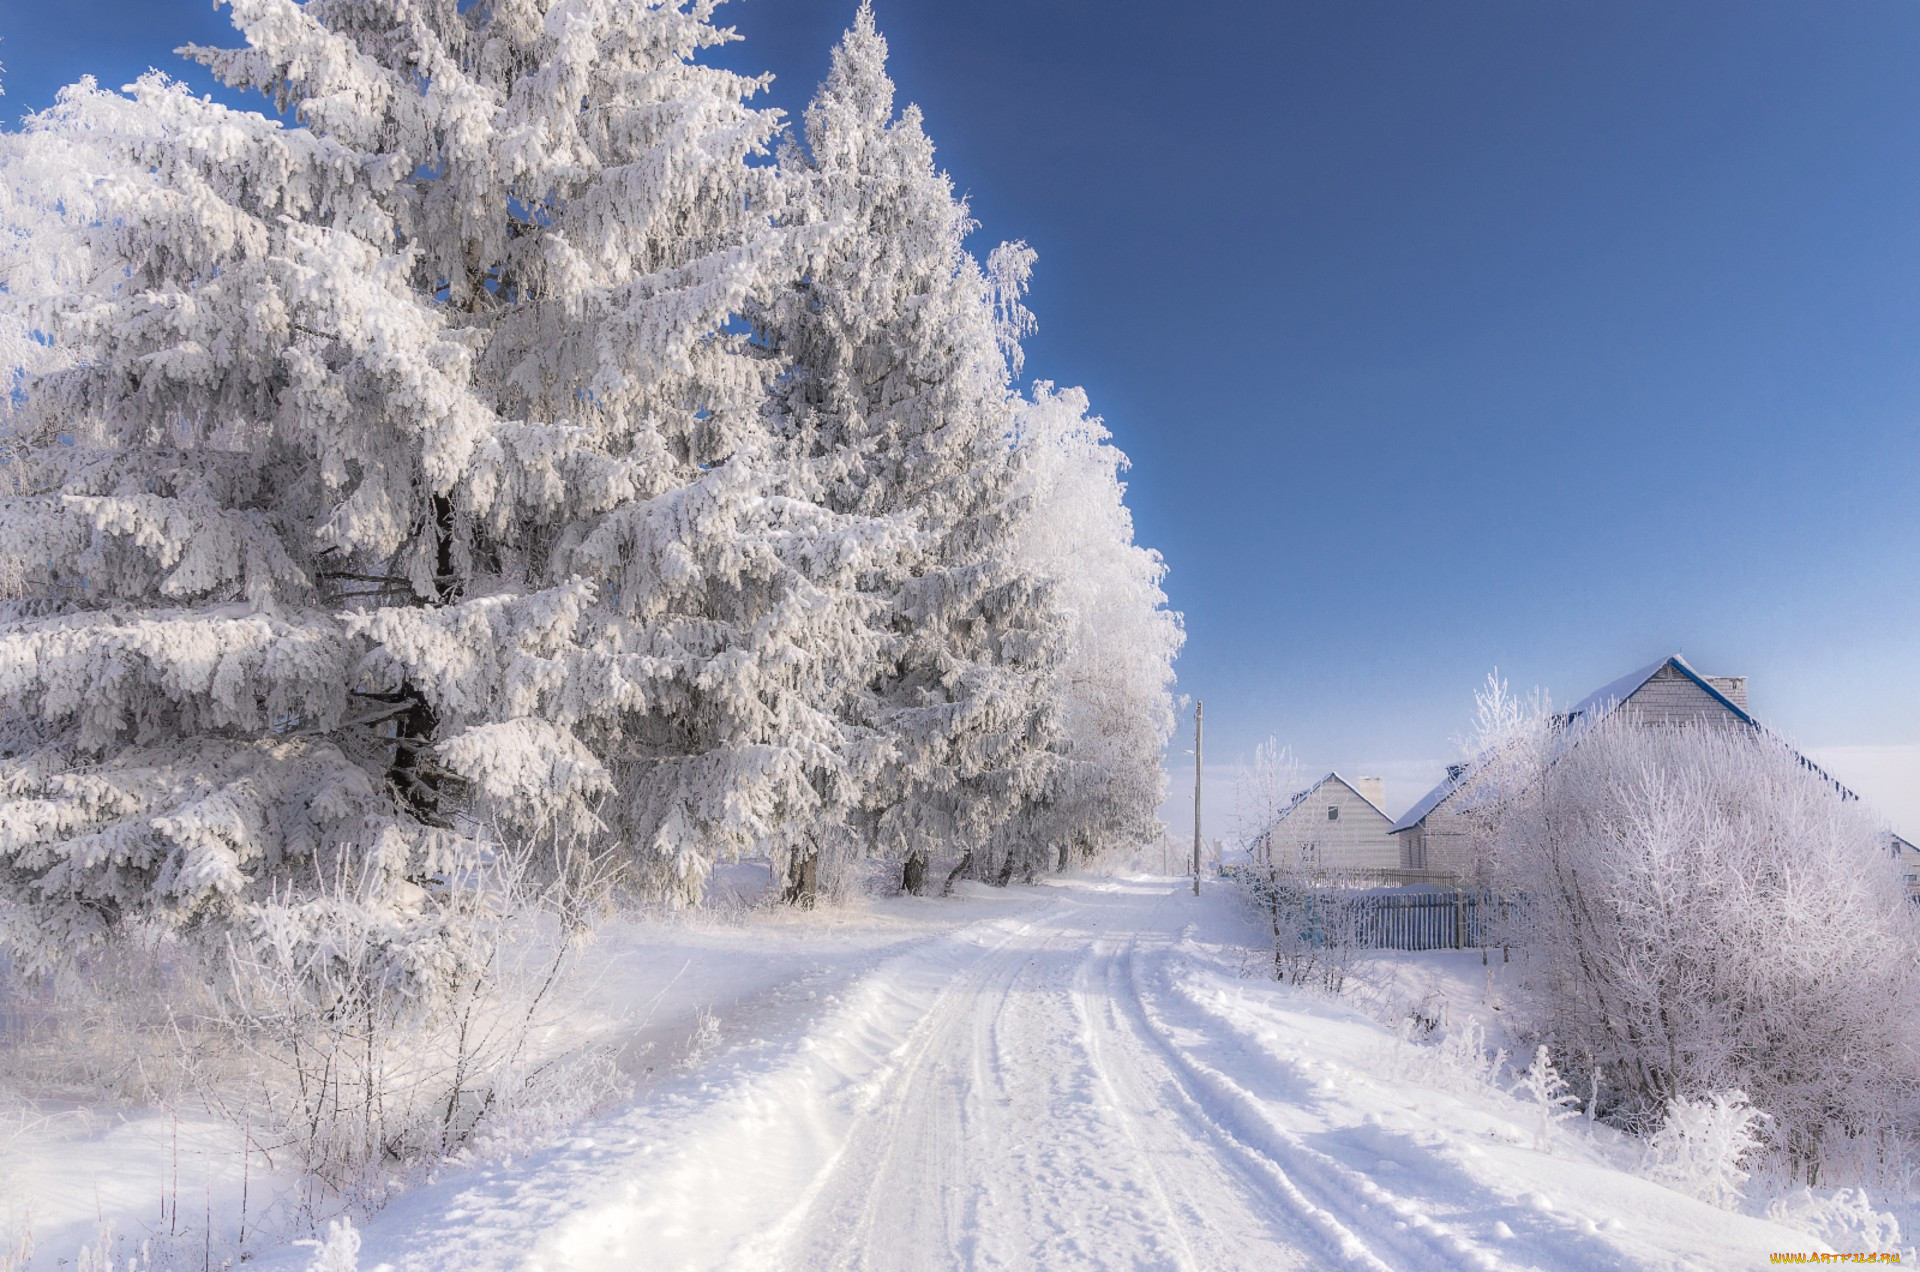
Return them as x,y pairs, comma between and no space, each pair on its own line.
1908,858
1333,827
1437,844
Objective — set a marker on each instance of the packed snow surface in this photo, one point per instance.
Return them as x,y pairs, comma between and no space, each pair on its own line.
1078,1075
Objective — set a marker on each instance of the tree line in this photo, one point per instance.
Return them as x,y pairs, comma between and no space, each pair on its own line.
520,435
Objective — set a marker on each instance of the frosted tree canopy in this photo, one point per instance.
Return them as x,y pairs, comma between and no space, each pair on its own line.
517,431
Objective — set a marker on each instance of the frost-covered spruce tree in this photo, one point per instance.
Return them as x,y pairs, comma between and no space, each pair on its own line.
601,218
1114,681
898,403
394,471
228,442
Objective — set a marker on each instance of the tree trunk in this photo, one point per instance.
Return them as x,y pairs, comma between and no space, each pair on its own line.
966,864
913,875
412,774
803,880
1060,866
1006,871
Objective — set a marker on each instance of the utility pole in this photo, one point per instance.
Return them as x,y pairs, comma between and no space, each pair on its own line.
1199,709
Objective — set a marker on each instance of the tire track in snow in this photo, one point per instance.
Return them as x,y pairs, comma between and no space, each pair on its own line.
1099,1016
1340,1240
881,1114
1018,1133
1320,1187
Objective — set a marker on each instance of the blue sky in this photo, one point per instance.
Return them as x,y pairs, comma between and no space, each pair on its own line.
1443,337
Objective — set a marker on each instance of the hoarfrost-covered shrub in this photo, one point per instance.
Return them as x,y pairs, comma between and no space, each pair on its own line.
339,1251
1706,913
1703,1146
1844,1218
1463,1052
357,1077
1541,1085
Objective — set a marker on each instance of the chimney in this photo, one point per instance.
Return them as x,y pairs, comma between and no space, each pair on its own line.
1732,688
1374,789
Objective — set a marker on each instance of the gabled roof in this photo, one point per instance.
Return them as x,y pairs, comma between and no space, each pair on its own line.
1431,800
1599,704
1588,712
1303,796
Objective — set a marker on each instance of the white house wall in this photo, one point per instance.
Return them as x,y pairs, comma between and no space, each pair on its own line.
1355,840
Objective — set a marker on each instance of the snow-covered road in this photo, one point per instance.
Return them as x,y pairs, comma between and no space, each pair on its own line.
1077,1081
1033,1120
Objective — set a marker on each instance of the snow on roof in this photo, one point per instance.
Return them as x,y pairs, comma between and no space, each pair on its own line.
1302,797
1430,801
1589,711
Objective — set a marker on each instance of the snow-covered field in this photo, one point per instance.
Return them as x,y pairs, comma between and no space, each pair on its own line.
1077,1075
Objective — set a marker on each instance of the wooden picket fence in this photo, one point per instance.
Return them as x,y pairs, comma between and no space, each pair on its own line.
1424,920
1405,919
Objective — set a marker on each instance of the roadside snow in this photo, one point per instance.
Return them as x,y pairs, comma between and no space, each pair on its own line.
1077,1075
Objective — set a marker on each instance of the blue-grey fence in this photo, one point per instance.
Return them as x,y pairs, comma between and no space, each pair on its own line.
1417,918
1425,920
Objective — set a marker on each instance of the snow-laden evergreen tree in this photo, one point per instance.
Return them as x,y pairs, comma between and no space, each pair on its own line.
897,405
1114,682
393,471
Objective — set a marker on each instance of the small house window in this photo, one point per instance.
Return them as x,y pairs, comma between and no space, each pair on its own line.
1333,813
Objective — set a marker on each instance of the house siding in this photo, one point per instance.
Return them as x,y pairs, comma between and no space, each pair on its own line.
1671,697
1440,844
1357,840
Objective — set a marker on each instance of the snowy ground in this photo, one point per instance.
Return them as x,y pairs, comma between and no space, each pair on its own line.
1071,1076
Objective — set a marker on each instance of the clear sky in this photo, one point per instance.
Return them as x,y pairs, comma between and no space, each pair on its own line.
1443,337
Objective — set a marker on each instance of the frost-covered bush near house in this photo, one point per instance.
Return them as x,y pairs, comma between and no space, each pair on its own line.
1263,790
1704,914
1315,931
1704,1145
1314,927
